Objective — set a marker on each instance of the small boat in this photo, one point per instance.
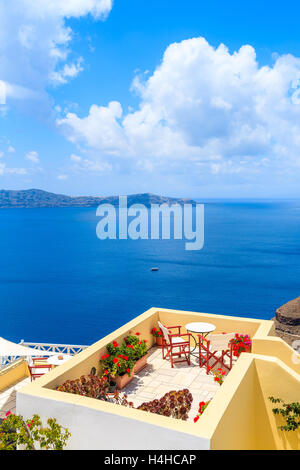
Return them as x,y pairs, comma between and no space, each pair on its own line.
154,269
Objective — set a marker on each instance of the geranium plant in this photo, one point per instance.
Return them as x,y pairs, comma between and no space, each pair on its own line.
240,343
156,332
121,358
202,406
31,434
219,375
139,346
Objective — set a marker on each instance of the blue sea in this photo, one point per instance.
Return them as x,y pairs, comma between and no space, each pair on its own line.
59,283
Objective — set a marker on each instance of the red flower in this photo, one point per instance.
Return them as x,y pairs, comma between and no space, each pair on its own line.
115,360
129,346
145,341
120,355
118,365
137,334
196,419
128,370
106,371
8,413
126,358
115,344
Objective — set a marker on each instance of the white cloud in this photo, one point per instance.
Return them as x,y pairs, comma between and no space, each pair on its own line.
62,177
35,33
32,156
75,158
4,170
202,105
11,149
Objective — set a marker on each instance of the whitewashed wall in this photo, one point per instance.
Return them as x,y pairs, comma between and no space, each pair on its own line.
92,429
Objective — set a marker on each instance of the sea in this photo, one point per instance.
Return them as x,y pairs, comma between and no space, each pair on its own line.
59,283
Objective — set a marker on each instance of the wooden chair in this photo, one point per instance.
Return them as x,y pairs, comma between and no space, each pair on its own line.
36,370
174,345
210,348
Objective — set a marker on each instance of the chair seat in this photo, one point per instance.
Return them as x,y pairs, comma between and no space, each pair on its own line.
178,339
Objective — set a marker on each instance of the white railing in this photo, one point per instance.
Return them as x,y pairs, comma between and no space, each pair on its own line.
70,349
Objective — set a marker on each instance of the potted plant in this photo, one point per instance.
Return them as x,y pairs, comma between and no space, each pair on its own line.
118,363
138,350
241,343
157,333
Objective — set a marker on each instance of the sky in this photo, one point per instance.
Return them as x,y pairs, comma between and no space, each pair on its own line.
189,99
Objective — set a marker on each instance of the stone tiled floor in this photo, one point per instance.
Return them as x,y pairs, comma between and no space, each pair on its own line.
8,397
158,378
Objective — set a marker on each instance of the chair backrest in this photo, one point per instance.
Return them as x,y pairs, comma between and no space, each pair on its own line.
220,342
165,332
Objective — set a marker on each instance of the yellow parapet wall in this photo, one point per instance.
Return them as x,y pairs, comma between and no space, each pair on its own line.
13,374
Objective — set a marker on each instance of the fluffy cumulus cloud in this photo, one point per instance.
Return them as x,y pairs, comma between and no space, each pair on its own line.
35,32
204,106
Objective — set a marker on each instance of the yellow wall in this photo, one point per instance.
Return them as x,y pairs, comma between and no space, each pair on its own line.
273,379
231,412
247,421
276,347
13,374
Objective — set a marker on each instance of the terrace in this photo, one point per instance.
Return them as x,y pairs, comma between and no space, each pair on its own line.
272,368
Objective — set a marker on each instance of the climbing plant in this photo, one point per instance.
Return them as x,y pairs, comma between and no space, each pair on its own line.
289,411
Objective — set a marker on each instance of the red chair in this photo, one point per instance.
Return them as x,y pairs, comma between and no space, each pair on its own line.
215,350
36,369
175,345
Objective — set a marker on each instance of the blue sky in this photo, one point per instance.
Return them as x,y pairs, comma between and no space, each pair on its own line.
190,99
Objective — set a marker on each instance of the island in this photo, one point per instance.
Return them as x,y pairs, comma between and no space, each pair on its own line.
37,198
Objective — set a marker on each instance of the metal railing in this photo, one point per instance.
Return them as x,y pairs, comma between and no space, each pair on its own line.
70,349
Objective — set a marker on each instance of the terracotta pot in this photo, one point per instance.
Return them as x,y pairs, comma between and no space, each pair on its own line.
159,341
123,380
140,364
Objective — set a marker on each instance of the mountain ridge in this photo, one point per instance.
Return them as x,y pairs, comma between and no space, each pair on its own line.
38,198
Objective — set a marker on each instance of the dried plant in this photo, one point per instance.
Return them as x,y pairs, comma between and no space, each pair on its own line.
174,404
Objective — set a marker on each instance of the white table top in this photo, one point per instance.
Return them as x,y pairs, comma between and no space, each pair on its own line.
200,327
56,362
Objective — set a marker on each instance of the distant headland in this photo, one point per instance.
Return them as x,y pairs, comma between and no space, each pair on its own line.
35,198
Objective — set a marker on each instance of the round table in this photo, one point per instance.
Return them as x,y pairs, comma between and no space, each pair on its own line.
53,360
201,328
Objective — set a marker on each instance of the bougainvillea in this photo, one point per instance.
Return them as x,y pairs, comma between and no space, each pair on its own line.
290,412
175,404
87,385
30,434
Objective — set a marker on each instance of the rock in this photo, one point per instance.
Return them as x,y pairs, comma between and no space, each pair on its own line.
287,321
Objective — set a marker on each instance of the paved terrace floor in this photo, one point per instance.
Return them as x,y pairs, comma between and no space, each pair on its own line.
158,378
